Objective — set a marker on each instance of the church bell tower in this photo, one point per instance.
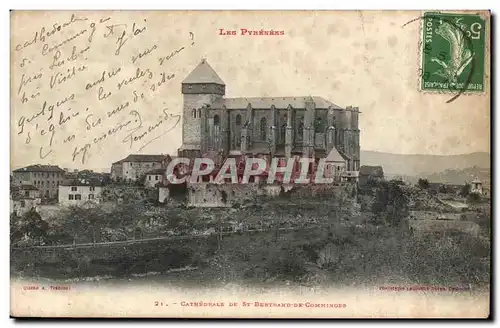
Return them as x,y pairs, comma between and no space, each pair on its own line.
201,89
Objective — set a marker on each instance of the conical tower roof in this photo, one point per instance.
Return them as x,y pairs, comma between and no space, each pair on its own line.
203,73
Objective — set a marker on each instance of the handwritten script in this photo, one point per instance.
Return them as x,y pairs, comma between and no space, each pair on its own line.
87,83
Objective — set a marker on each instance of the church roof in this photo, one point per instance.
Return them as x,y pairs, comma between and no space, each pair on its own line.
278,102
334,156
144,158
82,182
203,73
40,168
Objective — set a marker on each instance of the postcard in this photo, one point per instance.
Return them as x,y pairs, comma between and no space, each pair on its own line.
250,164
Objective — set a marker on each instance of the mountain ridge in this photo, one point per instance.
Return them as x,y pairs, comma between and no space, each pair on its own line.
422,164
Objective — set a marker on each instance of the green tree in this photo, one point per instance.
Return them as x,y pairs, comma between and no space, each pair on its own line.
342,208
379,205
443,189
87,221
140,181
74,222
398,181
94,219
390,203
423,183
465,190
30,226
15,233
125,215
83,221
473,197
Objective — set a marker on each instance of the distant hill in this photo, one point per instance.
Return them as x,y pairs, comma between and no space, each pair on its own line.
423,165
461,176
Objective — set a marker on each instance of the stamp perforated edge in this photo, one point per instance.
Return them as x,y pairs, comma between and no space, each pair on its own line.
484,14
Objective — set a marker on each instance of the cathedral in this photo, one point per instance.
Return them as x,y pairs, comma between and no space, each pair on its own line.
301,126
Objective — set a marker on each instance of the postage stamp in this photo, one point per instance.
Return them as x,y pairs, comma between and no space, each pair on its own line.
453,52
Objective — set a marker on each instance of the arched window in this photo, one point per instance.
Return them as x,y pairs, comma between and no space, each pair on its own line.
238,119
216,120
199,112
318,126
263,129
300,131
194,113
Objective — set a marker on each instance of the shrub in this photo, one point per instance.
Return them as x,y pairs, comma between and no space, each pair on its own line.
473,198
31,227
328,256
423,183
390,205
450,260
465,190
444,189
287,262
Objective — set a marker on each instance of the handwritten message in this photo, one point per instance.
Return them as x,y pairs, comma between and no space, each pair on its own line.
90,82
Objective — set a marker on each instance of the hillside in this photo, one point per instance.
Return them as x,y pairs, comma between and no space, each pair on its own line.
461,176
423,165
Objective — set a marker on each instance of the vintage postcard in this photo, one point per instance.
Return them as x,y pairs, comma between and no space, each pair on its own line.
250,164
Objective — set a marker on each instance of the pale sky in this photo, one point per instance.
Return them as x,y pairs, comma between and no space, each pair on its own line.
364,59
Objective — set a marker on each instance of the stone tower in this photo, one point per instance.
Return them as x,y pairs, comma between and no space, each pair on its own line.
202,87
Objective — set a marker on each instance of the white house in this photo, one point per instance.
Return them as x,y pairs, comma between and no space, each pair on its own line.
154,177
476,186
79,192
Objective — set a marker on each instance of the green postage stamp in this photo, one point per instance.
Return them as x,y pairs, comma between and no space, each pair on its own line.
453,52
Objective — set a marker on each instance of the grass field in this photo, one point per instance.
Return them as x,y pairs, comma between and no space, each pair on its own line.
339,254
